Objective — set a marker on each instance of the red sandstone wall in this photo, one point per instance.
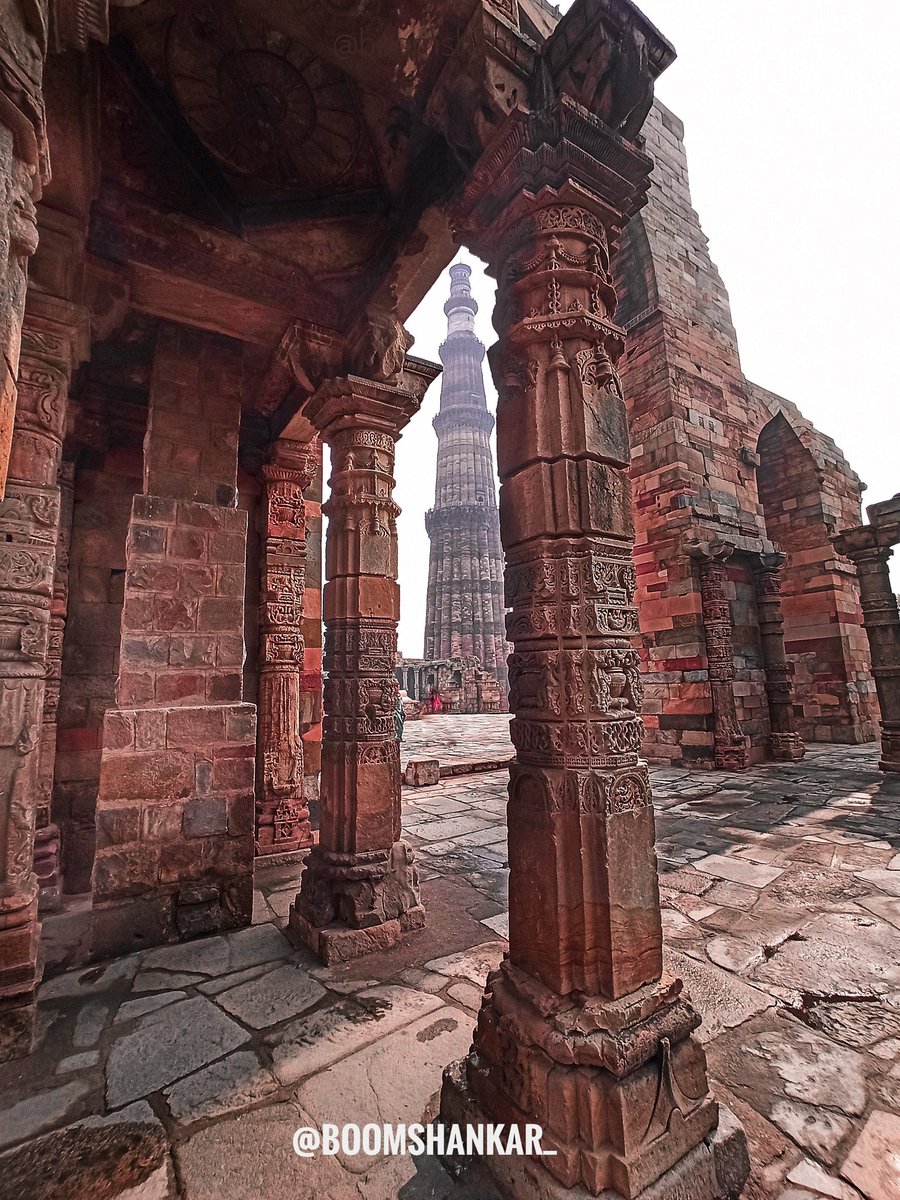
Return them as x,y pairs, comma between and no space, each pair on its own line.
695,427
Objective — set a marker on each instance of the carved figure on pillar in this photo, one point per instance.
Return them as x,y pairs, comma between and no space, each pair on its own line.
359,889
787,744
870,549
579,1031
732,748
282,812
29,527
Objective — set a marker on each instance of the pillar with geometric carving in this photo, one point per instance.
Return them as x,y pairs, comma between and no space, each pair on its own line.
870,549
29,528
359,889
579,1031
786,743
732,748
282,813
47,836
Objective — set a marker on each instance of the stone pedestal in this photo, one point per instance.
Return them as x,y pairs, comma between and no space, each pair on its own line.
870,548
29,528
578,1031
732,748
787,744
282,811
175,810
359,889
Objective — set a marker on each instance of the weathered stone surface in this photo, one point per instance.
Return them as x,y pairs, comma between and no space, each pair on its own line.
422,772
873,1163
276,996
331,1034
367,1087
237,1081
167,1045
815,1129
749,874
124,1156
723,1001
133,1009
221,956
43,1111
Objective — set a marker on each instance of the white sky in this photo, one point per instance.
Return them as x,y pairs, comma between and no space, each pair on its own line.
790,109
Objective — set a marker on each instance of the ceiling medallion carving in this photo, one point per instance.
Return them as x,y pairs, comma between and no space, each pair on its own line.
263,105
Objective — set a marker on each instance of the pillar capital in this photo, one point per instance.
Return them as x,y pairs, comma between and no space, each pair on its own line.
864,544
352,404
707,549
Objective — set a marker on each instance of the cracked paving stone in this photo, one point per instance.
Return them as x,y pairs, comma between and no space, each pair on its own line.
89,982
733,954
367,1087
873,1164
166,1045
810,1067
722,1000
227,1086
323,1037
272,998
736,870
474,964
810,1177
133,1009
839,954
35,1114
222,955
817,1131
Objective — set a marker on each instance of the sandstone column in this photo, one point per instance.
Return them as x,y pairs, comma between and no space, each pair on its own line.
176,801
359,889
870,549
732,748
47,840
579,1032
787,744
282,812
29,528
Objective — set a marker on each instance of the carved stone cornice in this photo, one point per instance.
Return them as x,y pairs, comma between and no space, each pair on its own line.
865,543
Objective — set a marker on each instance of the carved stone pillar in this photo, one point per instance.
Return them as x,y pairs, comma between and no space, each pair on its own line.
359,890
579,1031
787,744
47,840
732,748
29,526
870,551
282,812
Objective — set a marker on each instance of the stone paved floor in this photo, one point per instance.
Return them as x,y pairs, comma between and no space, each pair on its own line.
782,914
453,739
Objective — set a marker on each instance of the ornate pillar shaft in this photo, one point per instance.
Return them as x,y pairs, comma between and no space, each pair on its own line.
359,889
870,553
47,839
731,746
29,527
787,744
282,812
578,1031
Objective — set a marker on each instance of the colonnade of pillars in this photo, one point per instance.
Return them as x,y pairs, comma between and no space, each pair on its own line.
870,547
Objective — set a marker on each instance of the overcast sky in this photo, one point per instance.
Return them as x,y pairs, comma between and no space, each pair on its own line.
790,110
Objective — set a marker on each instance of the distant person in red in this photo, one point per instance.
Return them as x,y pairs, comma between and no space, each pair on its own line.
433,703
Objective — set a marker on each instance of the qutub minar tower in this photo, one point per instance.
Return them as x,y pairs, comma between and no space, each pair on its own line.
465,610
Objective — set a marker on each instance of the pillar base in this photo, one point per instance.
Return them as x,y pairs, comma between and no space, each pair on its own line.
352,904
339,943
618,1086
890,750
716,1169
46,868
787,747
733,755
20,973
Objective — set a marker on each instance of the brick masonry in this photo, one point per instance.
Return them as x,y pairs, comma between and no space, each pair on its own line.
716,456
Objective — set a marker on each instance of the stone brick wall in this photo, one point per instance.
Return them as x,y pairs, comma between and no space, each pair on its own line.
696,424
175,810
105,483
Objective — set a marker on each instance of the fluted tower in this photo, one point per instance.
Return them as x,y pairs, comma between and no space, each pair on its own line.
465,612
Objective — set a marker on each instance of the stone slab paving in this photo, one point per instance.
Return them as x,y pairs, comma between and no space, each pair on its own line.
781,915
